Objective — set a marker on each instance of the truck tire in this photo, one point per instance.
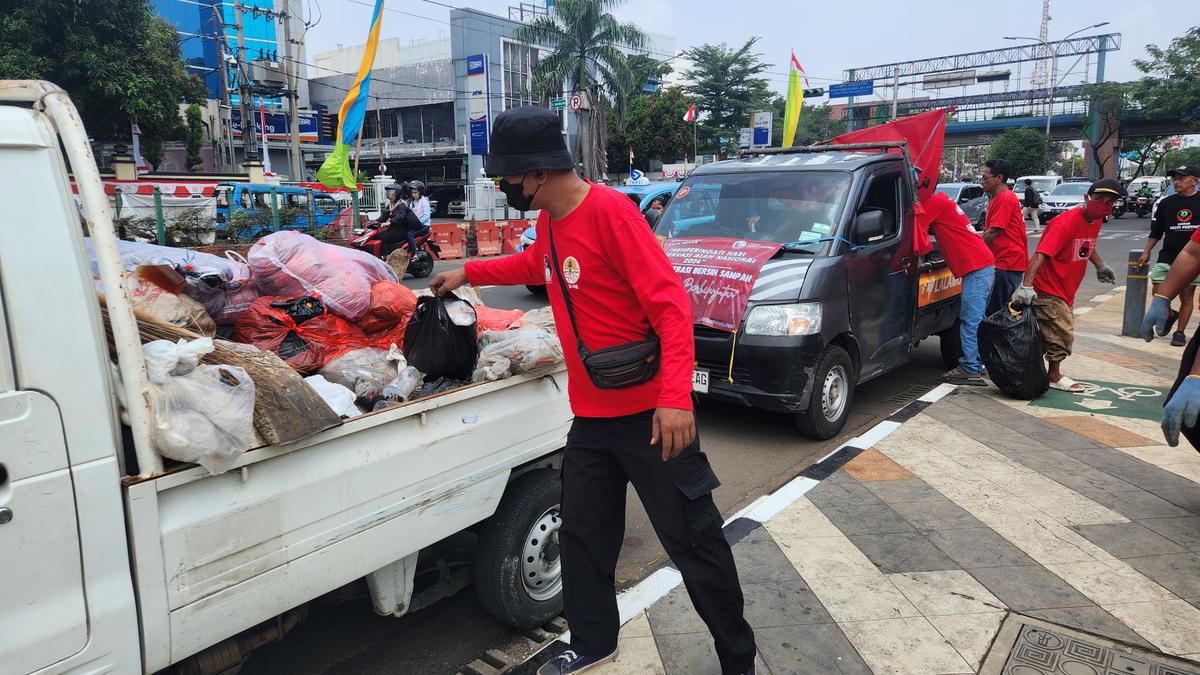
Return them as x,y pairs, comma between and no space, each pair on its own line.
833,392
518,572
950,341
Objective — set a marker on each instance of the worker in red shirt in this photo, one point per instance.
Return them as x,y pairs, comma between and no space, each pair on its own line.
610,285
1003,232
970,260
1056,270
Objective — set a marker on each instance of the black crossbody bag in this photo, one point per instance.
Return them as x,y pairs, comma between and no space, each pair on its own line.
615,367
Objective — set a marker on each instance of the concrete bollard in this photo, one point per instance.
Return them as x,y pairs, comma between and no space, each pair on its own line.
1136,279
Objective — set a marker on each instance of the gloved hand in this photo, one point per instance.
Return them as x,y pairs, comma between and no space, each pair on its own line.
1024,295
1157,318
1182,409
1106,275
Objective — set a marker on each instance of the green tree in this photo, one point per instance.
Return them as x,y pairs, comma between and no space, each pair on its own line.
1025,149
1181,156
726,84
1170,88
816,123
586,42
193,135
653,127
118,62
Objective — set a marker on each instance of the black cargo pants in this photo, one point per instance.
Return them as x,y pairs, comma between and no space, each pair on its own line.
603,455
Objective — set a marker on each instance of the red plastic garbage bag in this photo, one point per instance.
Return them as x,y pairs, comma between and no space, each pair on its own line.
306,345
391,307
495,319
293,264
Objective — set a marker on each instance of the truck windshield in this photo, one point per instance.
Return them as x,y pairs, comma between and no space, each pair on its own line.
784,206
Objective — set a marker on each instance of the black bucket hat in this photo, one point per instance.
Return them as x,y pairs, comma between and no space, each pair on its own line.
526,139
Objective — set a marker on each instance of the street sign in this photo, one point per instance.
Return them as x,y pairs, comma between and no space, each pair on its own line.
558,104
761,123
846,89
576,101
745,136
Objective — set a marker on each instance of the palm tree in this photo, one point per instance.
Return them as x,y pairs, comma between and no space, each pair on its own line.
586,43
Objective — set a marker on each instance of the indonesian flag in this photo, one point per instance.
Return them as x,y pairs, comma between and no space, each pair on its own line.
691,114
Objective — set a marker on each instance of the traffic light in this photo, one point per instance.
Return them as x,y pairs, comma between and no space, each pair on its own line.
818,91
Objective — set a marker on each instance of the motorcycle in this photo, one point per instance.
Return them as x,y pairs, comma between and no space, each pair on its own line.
1142,206
1118,207
420,264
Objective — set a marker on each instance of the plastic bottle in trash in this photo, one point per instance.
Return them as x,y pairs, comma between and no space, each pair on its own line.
409,380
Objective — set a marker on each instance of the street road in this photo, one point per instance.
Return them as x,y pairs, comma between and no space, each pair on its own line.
751,451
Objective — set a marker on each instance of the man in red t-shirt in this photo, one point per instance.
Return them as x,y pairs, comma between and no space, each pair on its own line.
970,260
1004,232
593,244
1057,269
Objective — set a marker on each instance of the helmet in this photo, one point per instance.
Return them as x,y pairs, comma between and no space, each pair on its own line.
416,185
395,186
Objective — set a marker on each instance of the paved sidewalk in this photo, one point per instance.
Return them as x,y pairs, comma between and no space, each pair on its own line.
970,531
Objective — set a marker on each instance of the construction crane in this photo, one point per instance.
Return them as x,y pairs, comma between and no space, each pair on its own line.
1040,79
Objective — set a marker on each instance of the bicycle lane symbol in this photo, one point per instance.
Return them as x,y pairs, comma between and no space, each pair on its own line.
1109,396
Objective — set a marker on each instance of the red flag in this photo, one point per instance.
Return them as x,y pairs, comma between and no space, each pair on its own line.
924,134
691,114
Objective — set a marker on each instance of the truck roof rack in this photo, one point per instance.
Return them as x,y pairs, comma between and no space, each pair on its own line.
830,147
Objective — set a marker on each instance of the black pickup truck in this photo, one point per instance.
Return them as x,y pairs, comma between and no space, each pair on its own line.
844,300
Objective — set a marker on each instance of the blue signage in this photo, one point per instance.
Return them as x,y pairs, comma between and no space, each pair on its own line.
762,136
476,64
846,89
479,137
277,124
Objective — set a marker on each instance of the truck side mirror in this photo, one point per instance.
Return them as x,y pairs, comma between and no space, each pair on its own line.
871,225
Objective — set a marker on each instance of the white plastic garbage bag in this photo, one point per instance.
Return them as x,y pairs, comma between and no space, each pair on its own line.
508,352
365,371
202,413
292,264
338,398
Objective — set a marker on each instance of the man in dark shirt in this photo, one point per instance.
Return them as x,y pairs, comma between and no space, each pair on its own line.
1174,223
1030,203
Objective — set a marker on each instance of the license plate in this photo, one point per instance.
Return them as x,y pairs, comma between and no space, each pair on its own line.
700,381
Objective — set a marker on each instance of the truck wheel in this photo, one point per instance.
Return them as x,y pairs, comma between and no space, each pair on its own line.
833,392
518,572
950,341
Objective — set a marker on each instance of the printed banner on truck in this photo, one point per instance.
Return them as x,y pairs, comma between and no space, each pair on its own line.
718,274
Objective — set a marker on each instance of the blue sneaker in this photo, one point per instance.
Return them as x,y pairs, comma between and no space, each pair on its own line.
570,662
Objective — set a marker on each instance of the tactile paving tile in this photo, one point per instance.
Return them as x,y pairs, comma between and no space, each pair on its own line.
1043,651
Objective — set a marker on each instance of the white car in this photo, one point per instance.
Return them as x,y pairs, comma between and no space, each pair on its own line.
457,207
1062,198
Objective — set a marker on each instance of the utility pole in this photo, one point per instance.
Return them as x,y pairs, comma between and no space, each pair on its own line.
219,44
293,79
249,143
895,92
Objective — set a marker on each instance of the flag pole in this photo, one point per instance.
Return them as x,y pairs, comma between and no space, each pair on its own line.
695,143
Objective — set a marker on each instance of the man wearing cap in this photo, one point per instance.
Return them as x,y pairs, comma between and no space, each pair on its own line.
593,244
1056,270
1175,222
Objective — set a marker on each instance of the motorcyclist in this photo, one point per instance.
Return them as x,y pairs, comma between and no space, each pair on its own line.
1145,191
420,206
397,222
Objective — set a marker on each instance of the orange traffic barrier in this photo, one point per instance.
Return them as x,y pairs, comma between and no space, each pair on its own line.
449,239
487,238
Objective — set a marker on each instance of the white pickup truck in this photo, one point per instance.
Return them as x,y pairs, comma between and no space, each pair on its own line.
108,570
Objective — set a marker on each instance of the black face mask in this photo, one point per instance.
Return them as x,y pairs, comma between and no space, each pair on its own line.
515,194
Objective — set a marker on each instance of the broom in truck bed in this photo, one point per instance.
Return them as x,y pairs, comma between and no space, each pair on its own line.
286,409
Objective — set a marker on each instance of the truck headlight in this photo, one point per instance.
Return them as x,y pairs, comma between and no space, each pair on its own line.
801,318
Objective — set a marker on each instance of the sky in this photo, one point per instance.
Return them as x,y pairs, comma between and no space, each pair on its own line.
827,37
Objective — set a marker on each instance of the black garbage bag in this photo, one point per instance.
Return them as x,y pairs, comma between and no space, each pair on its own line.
1011,348
440,338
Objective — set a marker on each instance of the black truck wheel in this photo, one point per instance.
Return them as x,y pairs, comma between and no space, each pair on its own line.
950,341
518,573
833,392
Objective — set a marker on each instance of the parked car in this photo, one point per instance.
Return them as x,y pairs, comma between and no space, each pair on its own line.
252,201
842,302
970,197
116,562
457,208
1065,196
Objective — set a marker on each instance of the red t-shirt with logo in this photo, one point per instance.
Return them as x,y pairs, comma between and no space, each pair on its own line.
1011,248
621,285
1068,242
962,248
